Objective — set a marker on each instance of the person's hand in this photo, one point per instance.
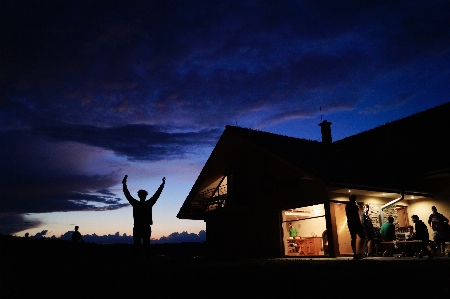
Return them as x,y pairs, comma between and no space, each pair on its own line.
124,181
164,179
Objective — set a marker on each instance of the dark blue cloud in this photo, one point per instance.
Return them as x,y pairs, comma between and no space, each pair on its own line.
38,176
13,222
131,62
55,195
397,102
156,80
136,142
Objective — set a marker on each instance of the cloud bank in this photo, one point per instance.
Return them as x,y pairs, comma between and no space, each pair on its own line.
87,88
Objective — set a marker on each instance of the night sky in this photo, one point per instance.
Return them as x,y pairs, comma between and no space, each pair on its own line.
93,90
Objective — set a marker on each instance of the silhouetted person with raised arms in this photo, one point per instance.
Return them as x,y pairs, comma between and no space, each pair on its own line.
76,236
354,225
142,212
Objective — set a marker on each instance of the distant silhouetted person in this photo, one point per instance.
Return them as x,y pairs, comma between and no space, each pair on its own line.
27,236
354,225
76,236
439,224
142,212
421,234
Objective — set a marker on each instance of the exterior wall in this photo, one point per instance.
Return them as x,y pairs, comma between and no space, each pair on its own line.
375,204
228,234
256,230
341,234
262,187
332,229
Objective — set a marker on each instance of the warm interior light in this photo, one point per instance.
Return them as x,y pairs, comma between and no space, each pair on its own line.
412,197
384,194
349,191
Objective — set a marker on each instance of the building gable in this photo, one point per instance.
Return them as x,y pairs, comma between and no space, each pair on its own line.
235,147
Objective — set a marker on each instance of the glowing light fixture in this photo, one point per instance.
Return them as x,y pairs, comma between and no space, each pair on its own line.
412,196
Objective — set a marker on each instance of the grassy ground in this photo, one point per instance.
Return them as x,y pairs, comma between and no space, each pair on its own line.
60,270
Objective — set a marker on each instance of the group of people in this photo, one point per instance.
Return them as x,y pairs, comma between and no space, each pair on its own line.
371,237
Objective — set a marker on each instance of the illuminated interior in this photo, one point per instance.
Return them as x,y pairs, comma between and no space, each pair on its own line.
310,238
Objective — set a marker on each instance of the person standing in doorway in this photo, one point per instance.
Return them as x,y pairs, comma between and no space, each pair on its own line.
354,226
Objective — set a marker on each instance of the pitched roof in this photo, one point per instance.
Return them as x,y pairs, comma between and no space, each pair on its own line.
394,156
398,153
299,152
303,153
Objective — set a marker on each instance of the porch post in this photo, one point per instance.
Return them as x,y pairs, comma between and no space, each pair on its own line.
330,220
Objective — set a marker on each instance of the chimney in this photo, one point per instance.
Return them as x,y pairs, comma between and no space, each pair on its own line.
325,128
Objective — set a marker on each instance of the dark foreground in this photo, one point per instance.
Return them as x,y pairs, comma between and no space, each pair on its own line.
55,269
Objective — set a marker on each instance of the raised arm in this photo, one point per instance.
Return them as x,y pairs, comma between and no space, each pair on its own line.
155,196
128,196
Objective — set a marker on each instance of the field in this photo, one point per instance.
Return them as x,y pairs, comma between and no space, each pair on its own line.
56,269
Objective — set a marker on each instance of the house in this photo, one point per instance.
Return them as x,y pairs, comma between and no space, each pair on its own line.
255,183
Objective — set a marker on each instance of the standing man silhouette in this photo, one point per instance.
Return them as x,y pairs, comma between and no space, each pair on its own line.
354,226
76,236
439,225
142,212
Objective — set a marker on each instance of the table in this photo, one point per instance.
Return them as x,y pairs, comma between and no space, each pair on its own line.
403,243
307,246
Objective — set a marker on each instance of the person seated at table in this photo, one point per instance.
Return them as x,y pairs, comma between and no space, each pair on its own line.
293,235
422,235
409,233
388,235
377,240
410,249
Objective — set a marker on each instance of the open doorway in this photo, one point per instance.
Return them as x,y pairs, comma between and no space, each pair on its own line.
304,231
